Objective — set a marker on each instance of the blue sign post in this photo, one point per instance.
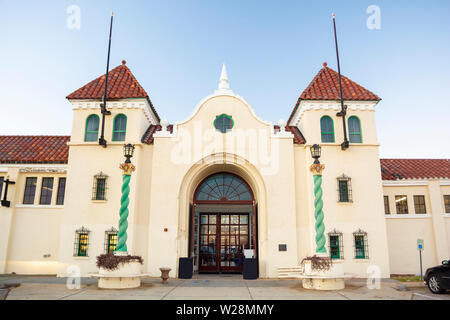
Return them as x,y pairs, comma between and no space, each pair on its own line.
420,248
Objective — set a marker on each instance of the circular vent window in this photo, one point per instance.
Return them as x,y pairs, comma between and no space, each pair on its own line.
224,123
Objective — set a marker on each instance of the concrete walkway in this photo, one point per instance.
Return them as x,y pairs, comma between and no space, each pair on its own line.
201,287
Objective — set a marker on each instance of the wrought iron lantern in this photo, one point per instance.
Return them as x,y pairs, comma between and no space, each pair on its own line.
315,152
128,151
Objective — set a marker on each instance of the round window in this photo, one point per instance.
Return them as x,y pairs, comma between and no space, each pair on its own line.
224,123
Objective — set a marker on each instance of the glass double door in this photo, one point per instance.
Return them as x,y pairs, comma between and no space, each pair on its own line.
223,238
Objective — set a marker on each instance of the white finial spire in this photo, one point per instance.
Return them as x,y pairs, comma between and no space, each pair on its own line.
224,84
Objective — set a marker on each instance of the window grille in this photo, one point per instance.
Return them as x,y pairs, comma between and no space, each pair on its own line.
30,190
336,244
419,205
99,188
224,123
344,189
401,203
224,186
61,191
111,240
46,191
81,244
361,244
387,210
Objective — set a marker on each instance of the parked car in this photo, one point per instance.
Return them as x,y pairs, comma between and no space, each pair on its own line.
438,278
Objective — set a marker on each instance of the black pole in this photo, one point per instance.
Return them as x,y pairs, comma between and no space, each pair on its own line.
343,112
105,112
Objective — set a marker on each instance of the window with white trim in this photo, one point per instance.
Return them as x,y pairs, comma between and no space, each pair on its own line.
447,203
387,210
2,179
30,190
419,204
401,204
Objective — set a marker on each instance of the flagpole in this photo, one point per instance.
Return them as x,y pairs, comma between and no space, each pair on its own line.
343,111
104,111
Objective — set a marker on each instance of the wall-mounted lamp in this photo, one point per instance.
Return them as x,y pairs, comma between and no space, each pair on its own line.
6,203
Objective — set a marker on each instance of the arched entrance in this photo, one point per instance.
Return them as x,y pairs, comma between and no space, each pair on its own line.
223,223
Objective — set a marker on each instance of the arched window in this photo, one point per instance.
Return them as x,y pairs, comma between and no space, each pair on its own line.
120,127
354,129
224,187
327,129
91,133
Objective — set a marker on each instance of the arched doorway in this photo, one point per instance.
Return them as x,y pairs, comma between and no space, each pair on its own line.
223,223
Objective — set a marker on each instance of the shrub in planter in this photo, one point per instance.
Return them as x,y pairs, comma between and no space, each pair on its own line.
111,262
319,263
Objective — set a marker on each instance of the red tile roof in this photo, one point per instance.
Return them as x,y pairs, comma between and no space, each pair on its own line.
121,85
34,149
397,169
147,138
325,86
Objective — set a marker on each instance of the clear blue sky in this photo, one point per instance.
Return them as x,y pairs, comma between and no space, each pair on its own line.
272,49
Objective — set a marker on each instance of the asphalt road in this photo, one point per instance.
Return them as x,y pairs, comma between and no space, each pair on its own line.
425,294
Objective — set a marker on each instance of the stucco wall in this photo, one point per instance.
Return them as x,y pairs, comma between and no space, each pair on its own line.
30,231
405,229
403,235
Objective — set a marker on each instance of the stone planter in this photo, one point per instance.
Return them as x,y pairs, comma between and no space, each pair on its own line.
332,279
164,274
127,275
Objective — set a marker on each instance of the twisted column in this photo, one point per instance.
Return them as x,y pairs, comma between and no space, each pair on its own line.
127,169
317,169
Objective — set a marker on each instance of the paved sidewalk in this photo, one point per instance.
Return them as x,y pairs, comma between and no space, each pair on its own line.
201,287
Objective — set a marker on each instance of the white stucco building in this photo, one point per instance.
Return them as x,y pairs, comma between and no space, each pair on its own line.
218,182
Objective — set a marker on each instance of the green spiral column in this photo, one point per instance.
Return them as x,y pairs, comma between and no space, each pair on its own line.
317,169
127,169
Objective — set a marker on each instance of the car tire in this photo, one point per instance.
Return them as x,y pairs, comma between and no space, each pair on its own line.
434,284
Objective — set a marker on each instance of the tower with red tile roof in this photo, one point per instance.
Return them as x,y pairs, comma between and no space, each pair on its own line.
132,113
316,115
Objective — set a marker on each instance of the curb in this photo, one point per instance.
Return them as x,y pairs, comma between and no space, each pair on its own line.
414,284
